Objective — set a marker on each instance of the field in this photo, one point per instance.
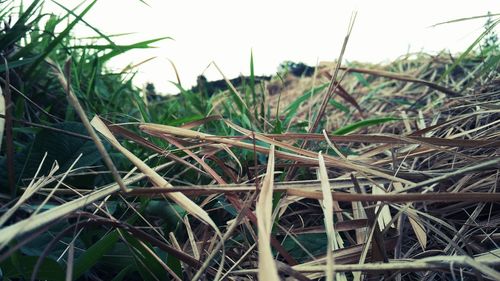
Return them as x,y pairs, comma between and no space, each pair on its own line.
341,171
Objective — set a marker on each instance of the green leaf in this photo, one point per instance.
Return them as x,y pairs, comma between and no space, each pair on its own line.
17,63
469,49
117,50
291,110
143,109
102,35
174,264
339,106
122,273
49,270
21,26
315,243
93,254
169,212
56,41
278,127
147,266
252,85
364,123
361,79
183,120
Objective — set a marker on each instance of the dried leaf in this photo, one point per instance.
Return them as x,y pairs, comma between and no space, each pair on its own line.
384,217
327,204
415,221
264,209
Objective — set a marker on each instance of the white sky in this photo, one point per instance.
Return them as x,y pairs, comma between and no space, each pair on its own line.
225,31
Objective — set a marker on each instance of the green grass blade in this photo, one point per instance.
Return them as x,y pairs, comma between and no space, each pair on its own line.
64,34
124,48
252,86
339,106
291,110
21,267
143,109
18,30
364,123
122,274
93,254
17,63
469,49
465,19
102,35
146,264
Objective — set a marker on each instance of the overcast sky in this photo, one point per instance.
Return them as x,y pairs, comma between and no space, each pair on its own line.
226,31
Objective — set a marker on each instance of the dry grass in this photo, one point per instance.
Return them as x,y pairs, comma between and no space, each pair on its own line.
413,199
427,191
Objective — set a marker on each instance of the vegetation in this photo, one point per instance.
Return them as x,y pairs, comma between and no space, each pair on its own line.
347,172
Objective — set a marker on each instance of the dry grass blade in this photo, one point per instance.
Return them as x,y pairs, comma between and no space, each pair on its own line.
192,240
485,164
345,95
333,81
200,122
402,77
418,227
64,80
155,129
226,237
311,190
330,160
231,86
55,213
264,211
205,166
425,264
131,66
178,198
416,223
32,188
24,226
176,72
384,214
116,129
372,138
160,130
374,237
329,93
400,198
327,205
70,262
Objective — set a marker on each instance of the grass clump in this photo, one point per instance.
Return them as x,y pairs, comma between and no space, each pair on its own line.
352,171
